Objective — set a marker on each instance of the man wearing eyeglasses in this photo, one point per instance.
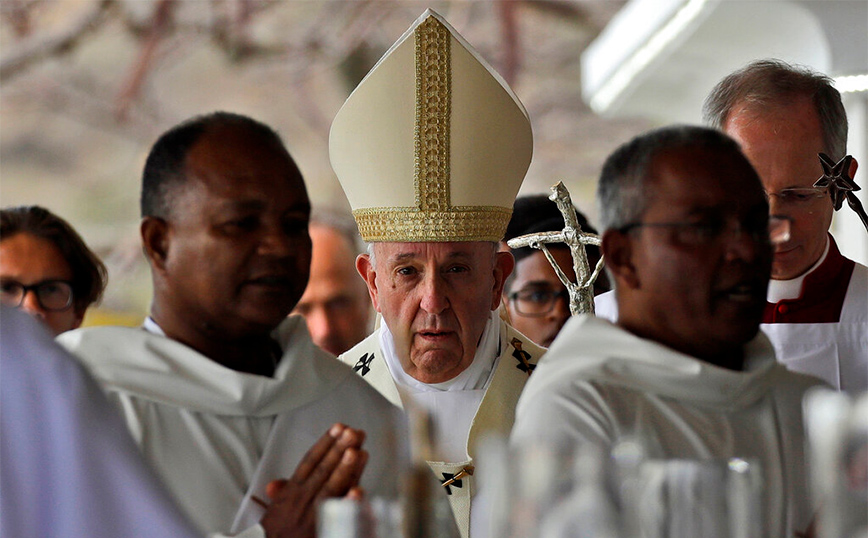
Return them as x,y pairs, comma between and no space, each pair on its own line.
685,372
535,299
46,269
817,310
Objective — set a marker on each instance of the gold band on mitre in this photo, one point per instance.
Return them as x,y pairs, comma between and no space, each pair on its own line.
471,143
386,224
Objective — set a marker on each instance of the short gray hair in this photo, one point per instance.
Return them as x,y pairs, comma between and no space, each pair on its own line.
623,191
767,84
340,222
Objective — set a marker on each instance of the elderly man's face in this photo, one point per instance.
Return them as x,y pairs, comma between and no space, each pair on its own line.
696,292
782,145
436,299
335,303
235,254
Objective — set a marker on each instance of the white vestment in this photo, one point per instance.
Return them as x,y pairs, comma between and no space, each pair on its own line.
67,463
482,401
599,384
817,323
217,436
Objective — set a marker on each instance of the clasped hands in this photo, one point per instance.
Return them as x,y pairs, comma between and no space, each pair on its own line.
331,468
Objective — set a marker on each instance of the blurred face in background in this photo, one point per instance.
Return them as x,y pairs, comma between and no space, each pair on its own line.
27,260
536,300
335,303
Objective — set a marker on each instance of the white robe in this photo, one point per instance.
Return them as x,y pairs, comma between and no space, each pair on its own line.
217,436
599,384
68,465
491,405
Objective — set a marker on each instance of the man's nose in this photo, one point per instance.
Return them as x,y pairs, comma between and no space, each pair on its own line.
741,244
275,242
30,304
776,207
561,309
434,297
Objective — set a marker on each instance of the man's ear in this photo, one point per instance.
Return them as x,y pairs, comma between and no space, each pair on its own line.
155,241
369,275
853,166
618,248
504,263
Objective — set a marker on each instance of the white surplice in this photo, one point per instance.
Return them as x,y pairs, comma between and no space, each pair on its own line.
217,436
599,384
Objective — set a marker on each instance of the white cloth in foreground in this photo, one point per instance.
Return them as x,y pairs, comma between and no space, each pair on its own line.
68,465
217,436
479,401
599,383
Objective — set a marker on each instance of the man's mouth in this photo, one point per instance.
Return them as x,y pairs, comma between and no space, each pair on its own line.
271,281
783,250
745,292
433,334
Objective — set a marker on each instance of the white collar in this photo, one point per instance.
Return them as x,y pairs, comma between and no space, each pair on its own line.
476,376
151,326
780,290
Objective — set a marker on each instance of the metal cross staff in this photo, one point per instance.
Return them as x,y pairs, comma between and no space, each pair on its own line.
836,178
582,291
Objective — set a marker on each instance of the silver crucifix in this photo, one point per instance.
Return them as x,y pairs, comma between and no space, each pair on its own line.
582,291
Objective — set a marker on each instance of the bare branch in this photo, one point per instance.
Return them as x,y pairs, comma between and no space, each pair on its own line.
38,47
509,33
131,88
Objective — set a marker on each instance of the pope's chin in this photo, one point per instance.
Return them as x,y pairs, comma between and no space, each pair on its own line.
436,365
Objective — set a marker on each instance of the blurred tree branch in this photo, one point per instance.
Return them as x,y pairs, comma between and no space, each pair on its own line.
36,47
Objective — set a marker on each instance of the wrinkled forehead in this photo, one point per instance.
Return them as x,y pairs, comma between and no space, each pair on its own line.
435,252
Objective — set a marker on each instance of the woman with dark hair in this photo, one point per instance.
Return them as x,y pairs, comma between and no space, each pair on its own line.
46,269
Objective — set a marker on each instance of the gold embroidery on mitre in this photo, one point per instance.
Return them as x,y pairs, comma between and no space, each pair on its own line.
433,109
432,218
405,224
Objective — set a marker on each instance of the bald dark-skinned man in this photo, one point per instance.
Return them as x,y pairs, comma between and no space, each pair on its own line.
224,394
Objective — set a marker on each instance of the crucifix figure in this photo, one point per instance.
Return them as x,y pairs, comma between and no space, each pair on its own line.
582,291
836,178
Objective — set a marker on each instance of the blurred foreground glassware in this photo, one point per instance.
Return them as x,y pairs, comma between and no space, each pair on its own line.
556,491
349,518
524,485
837,428
680,498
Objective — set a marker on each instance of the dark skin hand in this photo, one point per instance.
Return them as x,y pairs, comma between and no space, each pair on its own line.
331,468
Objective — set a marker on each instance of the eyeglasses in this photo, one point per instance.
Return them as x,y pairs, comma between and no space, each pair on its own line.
798,197
52,295
535,303
703,233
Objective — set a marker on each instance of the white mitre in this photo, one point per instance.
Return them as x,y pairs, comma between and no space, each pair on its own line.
432,145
